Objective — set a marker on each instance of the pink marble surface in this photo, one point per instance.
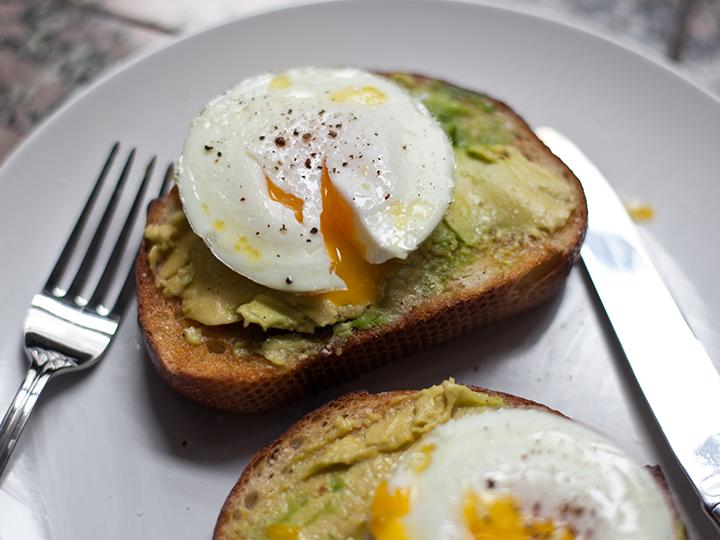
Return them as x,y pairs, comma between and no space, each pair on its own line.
49,48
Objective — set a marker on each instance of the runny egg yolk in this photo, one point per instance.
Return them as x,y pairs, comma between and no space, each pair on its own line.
362,279
386,512
347,260
500,518
282,532
497,518
288,200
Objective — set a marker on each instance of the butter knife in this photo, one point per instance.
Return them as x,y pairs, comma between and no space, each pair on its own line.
674,371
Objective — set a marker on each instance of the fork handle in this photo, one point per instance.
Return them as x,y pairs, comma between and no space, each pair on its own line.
44,364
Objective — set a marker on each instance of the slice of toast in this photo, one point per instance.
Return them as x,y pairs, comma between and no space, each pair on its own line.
265,478
476,294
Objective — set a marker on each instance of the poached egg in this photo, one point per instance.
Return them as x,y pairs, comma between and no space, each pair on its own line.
517,474
306,181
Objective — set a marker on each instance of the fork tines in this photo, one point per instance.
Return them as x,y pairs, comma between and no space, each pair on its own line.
118,266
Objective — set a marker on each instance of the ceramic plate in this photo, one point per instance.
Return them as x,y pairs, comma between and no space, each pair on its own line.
114,453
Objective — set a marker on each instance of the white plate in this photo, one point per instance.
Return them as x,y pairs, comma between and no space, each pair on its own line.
103,456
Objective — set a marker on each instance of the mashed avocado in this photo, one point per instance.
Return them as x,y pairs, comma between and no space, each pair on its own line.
501,198
326,489
500,192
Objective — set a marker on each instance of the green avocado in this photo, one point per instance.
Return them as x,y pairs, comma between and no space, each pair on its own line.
498,191
500,197
330,482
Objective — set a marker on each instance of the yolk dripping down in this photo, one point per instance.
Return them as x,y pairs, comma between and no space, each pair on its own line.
288,200
500,518
386,512
347,260
362,279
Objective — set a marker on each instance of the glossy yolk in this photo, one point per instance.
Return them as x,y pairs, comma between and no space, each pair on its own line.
288,200
347,260
386,512
282,532
500,519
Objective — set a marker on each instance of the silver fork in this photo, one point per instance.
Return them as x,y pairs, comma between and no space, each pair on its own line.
63,331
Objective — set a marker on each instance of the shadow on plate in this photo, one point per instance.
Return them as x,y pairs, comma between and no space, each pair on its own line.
193,432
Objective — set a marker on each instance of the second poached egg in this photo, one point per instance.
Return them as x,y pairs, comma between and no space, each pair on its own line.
519,474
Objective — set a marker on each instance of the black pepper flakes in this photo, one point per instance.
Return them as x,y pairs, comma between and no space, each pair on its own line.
387,196
296,132
242,199
208,148
314,230
344,164
288,280
219,154
332,133
308,163
280,141
261,137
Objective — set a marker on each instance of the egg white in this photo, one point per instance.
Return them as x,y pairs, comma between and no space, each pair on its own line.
549,465
386,156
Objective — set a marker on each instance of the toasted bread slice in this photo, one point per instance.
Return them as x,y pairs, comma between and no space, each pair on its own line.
476,294
265,474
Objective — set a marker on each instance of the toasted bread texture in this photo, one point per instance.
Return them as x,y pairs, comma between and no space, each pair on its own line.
269,468
476,294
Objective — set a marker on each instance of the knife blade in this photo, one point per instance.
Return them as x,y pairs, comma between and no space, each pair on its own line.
674,371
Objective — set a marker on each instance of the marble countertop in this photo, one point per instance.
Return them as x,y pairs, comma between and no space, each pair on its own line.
50,48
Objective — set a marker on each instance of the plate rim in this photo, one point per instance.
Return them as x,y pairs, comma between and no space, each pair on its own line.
532,15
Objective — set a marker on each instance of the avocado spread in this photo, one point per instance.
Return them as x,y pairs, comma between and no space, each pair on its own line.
501,199
329,481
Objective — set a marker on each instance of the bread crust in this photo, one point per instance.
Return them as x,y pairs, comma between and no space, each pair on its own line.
250,383
273,456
